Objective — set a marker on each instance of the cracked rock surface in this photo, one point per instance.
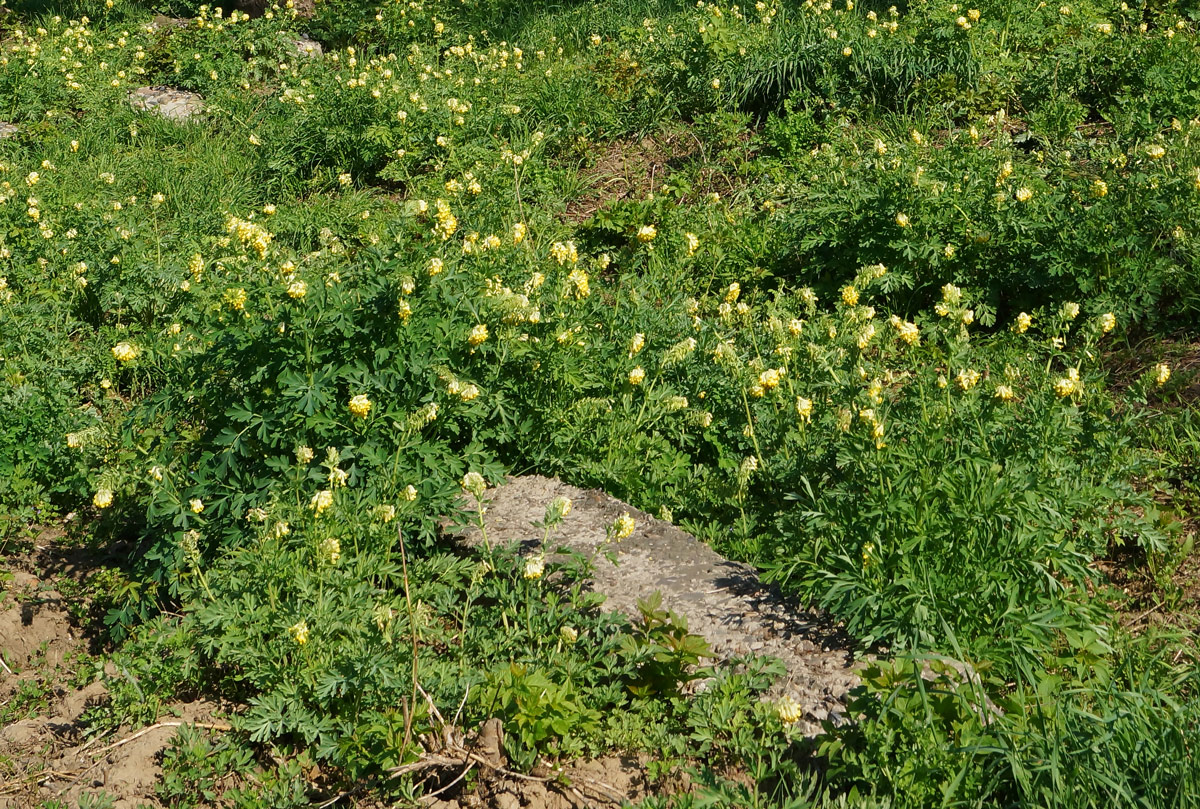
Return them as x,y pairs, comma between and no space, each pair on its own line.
722,600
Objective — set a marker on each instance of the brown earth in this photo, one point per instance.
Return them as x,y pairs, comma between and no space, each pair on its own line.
46,756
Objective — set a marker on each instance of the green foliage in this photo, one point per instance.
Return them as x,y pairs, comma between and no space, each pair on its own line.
267,347
663,652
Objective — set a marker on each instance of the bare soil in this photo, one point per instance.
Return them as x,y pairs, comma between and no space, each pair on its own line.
45,754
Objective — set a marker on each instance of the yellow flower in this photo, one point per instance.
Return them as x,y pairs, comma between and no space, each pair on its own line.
103,498
1065,387
321,501
623,527
1070,310
254,141
1004,393
732,293
299,632
647,233
196,505
535,566
902,219
1024,321
1099,189
1024,194
344,179
967,378
769,379
579,278
1108,322
1162,373
478,335
788,710
1155,151
804,408
637,375
568,634
330,550
360,405
473,483
564,252
693,243
297,289
849,295
908,332
637,344
518,232
124,352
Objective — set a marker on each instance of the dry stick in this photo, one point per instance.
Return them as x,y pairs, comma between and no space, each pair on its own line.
156,726
6,668
37,777
431,795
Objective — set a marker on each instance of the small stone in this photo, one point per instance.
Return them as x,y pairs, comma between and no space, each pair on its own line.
507,800
307,47
176,105
7,130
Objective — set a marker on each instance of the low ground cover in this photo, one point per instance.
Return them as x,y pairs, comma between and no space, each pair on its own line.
900,314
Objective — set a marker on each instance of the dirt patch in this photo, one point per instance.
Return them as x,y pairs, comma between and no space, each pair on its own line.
609,781
35,629
47,757
44,754
722,600
628,169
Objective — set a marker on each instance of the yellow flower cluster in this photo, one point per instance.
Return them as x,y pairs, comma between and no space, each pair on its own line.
330,550
360,405
535,567
299,632
125,352
250,234
447,222
578,278
321,501
804,409
1162,373
1068,385
623,528
788,710
908,332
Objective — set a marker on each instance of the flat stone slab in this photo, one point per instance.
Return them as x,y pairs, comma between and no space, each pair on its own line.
723,601
176,105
